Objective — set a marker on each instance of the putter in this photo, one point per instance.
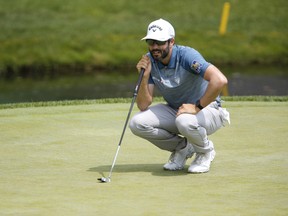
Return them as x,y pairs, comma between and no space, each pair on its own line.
108,179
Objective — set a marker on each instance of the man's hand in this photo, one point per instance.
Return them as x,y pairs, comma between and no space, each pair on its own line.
188,108
144,63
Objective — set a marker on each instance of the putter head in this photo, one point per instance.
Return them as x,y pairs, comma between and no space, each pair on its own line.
104,180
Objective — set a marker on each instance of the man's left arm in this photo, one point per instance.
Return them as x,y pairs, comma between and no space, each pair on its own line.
217,81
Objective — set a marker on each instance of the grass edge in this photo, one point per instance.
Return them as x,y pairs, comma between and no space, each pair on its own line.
127,100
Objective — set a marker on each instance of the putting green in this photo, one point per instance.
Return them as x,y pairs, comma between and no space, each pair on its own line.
51,157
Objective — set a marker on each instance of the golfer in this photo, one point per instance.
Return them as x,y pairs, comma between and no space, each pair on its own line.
191,87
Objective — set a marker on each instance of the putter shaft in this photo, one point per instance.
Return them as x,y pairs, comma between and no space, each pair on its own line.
125,125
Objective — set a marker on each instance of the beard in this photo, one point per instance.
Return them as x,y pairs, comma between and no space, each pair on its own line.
159,54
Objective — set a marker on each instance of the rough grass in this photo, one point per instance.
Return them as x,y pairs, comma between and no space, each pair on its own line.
82,34
51,158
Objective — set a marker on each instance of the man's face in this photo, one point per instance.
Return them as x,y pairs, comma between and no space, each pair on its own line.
159,50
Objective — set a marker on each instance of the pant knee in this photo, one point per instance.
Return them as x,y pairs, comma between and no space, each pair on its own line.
186,123
136,125
133,125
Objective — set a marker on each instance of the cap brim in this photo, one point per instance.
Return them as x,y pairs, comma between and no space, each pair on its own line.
155,38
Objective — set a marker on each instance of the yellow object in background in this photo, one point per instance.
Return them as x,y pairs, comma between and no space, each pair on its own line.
224,18
222,31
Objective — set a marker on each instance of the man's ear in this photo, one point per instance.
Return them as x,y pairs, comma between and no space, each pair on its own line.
172,41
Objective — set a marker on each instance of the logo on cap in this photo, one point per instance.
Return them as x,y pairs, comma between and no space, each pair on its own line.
155,27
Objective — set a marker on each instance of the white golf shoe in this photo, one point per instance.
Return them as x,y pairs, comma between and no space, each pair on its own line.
202,162
178,158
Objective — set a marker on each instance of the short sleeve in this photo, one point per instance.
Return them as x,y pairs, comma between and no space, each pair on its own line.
193,61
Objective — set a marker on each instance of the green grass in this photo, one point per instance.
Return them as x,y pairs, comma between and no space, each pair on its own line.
51,158
49,36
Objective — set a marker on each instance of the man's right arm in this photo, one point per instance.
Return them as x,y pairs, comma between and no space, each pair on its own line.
145,93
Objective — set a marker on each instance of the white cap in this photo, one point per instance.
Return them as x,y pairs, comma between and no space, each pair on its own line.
160,30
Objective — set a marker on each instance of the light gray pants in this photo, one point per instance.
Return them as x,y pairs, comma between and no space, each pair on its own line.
160,125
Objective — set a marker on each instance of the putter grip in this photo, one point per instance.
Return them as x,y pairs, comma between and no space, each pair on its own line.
139,81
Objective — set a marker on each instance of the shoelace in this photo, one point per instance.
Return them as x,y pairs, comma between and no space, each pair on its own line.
200,157
172,158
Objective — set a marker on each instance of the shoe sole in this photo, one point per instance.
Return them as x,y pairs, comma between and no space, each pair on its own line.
173,169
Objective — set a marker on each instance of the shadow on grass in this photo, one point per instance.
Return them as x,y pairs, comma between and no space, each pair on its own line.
154,169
